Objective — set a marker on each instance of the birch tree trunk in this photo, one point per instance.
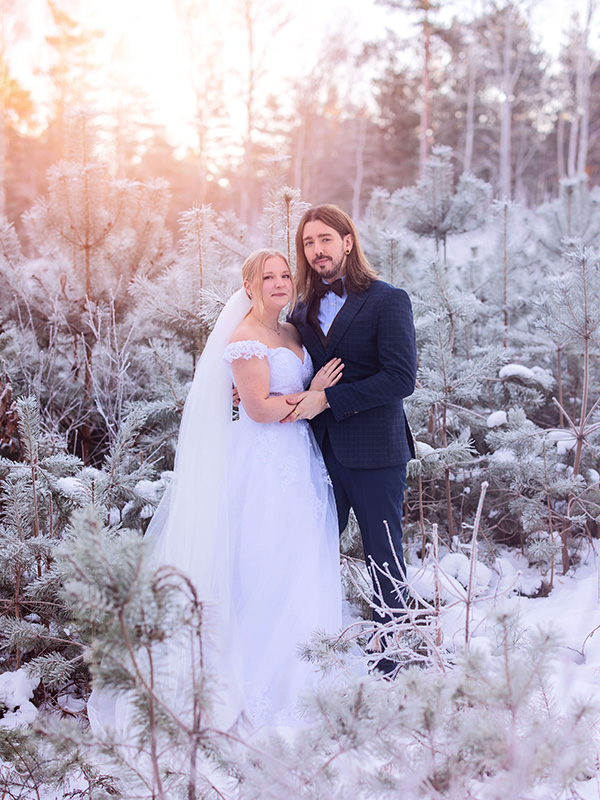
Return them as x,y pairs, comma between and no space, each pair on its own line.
583,92
573,139
506,113
470,114
299,171
560,146
426,90
249,98
360,165
3,94
9,29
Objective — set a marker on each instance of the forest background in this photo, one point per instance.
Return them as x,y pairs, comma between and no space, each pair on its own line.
469,156
350,97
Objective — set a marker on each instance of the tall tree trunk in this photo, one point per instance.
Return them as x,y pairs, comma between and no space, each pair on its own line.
201,133
4,91
506,120
299,157
202,34
360,166
426,90
573,137
583,94
560,147
584,122
2,154
470,121
245,189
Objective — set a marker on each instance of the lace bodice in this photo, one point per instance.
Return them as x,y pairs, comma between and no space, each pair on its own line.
289,373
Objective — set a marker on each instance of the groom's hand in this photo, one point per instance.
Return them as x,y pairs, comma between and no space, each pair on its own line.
306,405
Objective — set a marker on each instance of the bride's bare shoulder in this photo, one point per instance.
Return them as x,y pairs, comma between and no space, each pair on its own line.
246,331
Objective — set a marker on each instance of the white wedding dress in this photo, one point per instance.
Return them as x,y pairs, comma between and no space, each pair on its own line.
284,536
250,518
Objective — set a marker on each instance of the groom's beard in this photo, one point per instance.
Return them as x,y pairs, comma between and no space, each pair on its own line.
334,270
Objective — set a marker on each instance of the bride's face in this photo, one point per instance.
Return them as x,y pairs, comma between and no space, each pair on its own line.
277,284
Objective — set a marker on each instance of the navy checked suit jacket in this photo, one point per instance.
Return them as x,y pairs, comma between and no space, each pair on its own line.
374,335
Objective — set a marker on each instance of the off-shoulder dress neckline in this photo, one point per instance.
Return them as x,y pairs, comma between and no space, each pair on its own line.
302,358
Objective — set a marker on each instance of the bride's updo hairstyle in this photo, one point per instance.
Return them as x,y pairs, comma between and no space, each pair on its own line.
253,270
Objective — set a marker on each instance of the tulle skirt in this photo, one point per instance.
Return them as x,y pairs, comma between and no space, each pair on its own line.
280,551
285,562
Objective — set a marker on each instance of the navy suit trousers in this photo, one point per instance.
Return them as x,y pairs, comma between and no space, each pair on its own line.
376,495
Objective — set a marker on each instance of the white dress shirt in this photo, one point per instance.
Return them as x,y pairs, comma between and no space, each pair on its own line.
329,308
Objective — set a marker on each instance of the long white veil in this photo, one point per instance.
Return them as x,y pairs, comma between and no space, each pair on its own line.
190,531
190,525
190,528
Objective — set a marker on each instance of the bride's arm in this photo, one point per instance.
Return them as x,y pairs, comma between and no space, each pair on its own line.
252,378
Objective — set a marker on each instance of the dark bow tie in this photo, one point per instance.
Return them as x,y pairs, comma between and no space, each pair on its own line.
337,286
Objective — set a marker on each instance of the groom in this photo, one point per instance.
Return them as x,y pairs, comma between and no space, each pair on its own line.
344,311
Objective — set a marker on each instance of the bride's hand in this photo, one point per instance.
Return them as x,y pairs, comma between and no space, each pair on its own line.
328,375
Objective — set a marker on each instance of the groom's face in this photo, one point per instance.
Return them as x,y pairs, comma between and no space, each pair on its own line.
325,250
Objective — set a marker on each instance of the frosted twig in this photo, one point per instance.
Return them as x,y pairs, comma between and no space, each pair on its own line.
473,564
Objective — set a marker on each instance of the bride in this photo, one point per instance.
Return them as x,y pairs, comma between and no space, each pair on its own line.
249,515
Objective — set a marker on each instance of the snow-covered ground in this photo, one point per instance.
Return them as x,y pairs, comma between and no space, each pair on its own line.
570,612
16,691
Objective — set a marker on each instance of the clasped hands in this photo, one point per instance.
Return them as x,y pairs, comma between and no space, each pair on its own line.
308,404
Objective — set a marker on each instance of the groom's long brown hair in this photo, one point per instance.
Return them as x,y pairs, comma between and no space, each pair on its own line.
359,273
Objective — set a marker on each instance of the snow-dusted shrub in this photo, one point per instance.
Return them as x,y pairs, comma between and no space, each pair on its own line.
70,306
438,208
483,723
486,728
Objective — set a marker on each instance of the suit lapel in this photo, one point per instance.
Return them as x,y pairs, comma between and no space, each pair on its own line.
310,337
313,321
344,317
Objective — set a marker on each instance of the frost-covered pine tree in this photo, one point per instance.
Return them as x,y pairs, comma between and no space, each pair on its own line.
499,274
436,208
451,402
70,304
573,218
390,246
129,615
488,727
35,510
570,315
186,297
282,212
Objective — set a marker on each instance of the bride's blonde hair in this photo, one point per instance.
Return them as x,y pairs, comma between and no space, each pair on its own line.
252,272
